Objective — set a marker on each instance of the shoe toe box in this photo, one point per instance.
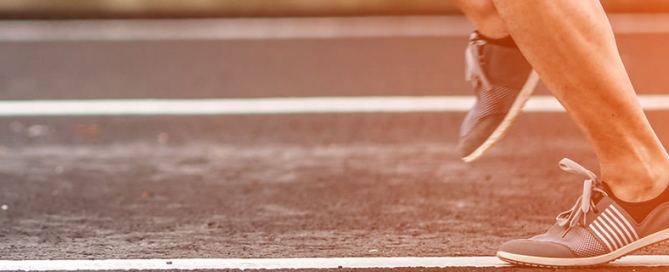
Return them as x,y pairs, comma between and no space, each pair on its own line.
535,249
475,137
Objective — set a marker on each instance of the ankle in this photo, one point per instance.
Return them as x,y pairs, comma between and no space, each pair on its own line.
634,186
493,33
501,41
636,192
637,182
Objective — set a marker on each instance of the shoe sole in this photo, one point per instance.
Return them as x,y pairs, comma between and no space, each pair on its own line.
543,262
498,133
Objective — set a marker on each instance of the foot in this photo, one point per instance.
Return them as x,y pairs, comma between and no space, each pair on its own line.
597,230
503,81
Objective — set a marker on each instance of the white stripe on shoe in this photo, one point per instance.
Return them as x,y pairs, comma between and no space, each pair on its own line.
613,235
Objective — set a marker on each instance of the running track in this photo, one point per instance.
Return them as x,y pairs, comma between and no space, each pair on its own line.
325,90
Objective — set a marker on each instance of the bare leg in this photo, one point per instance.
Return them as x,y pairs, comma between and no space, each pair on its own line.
571,45
484,16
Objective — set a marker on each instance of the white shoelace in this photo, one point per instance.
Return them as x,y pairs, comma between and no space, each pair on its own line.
584,204
473,70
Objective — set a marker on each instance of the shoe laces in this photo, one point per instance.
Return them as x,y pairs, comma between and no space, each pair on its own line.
585,203
473,59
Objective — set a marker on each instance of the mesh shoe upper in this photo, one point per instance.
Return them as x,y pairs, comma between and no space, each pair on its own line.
498,75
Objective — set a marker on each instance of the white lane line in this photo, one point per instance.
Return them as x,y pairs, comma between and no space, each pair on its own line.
639,23
289,263
299,105
275,28
290,105
233,29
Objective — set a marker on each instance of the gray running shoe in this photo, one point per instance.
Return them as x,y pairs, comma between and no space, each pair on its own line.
595,231
503,81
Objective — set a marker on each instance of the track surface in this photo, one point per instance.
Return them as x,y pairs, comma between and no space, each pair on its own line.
272,186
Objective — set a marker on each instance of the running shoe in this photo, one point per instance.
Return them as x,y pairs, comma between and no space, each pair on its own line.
503,81
596,230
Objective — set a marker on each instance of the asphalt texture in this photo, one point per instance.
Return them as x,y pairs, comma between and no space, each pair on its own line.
271,186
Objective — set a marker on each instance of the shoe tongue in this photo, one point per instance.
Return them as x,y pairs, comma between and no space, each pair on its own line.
597,196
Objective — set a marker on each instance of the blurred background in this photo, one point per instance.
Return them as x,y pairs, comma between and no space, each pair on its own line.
107,9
